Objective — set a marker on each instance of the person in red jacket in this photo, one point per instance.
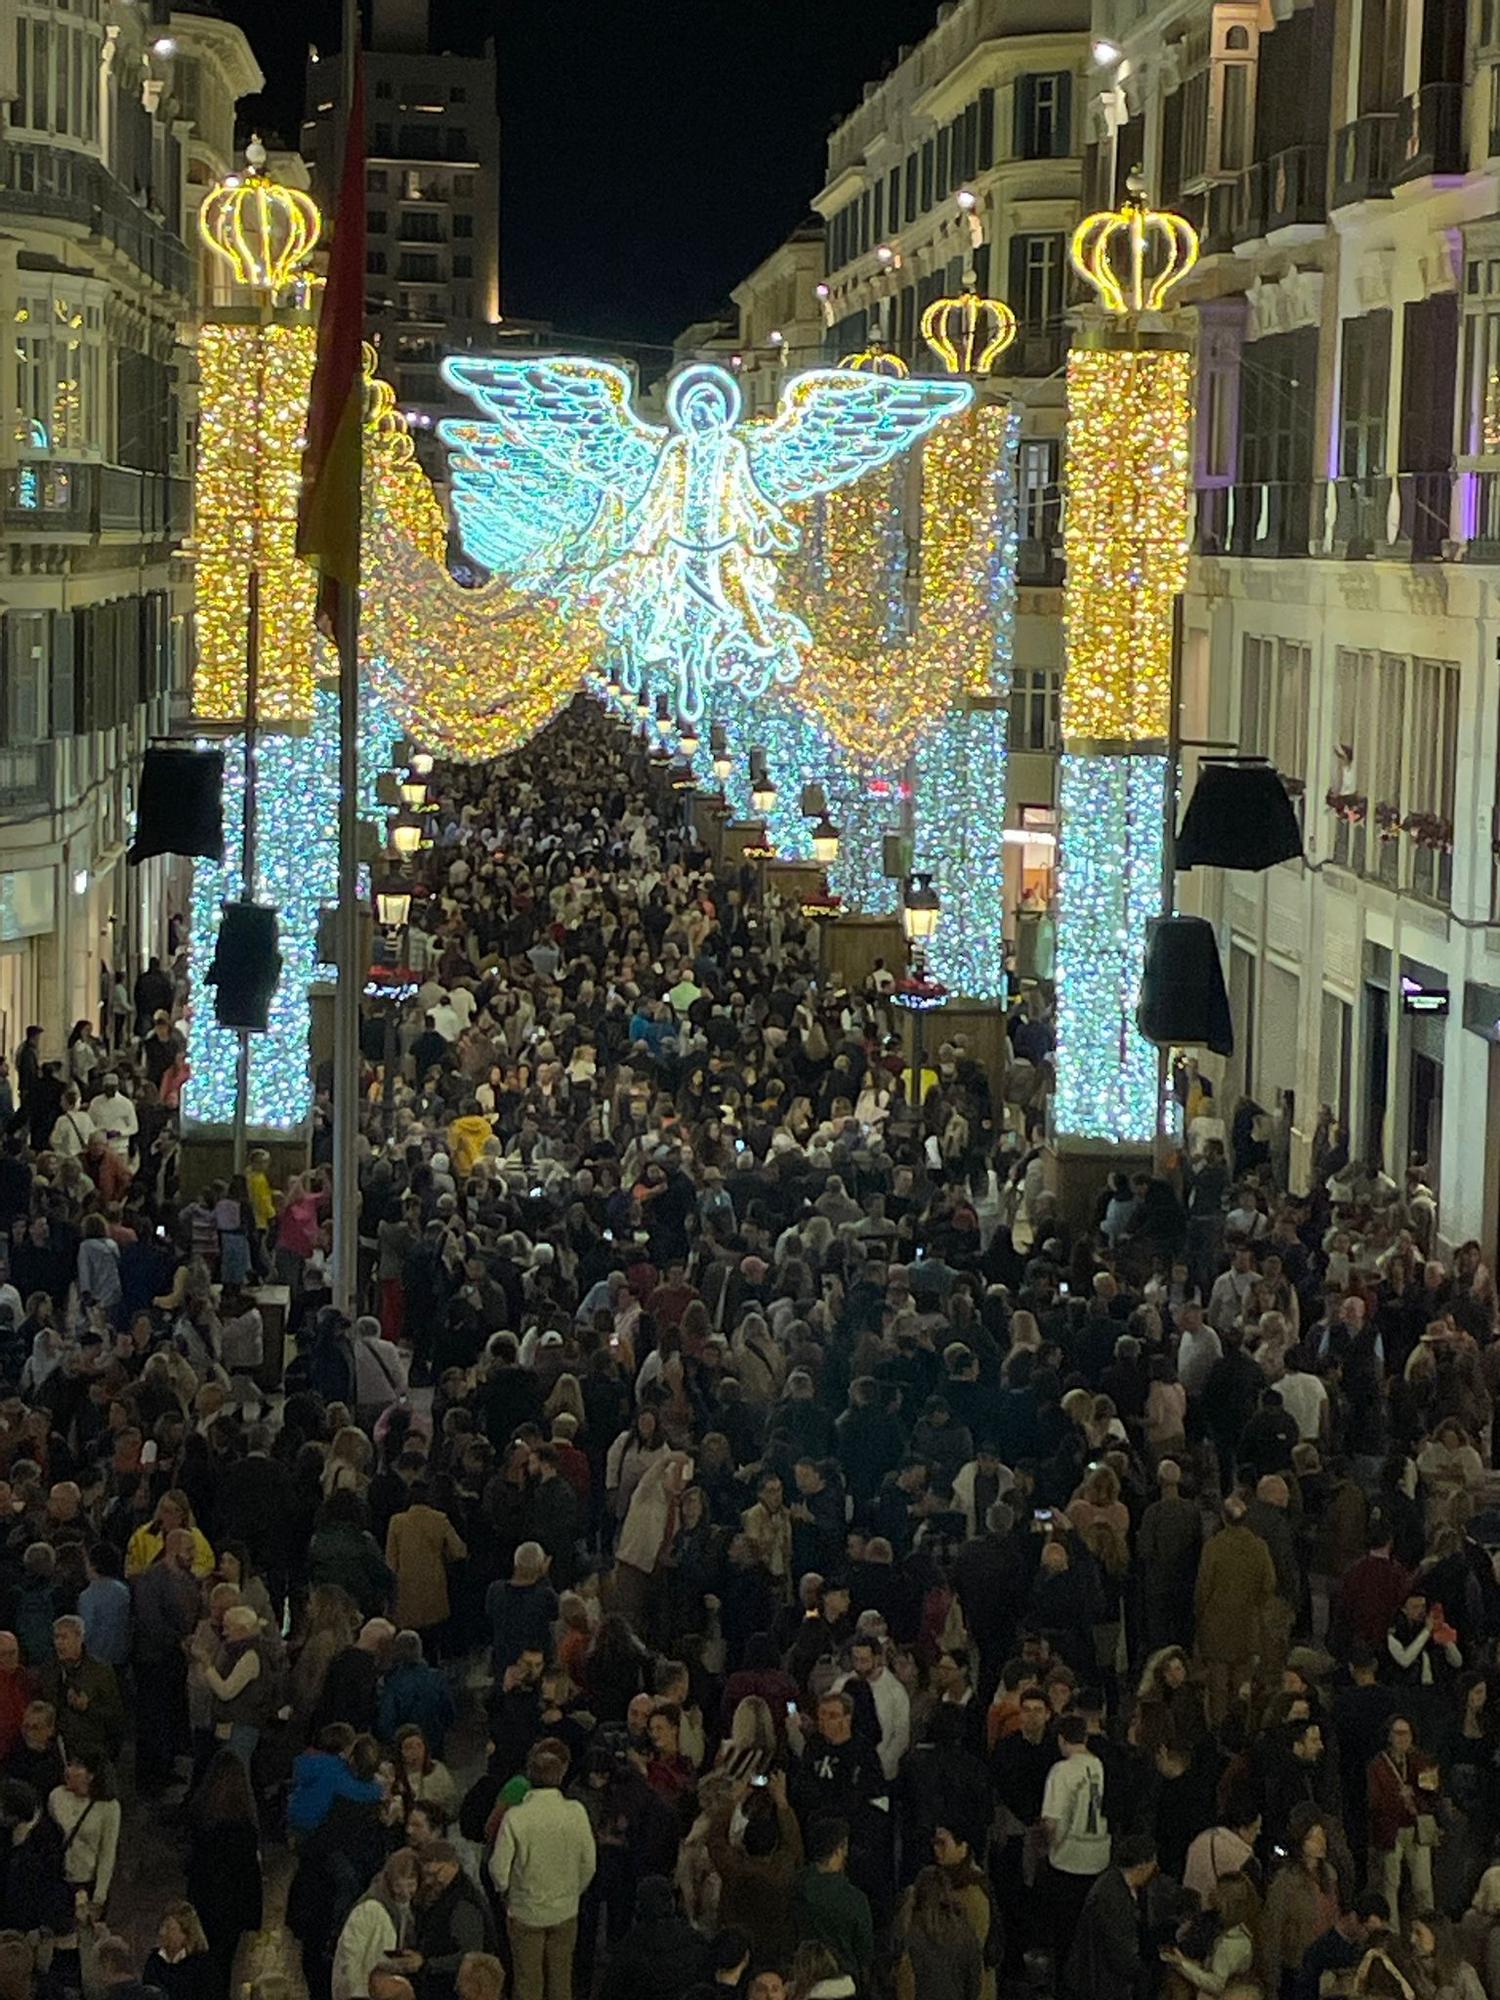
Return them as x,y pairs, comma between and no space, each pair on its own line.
1403,1794
1373,1590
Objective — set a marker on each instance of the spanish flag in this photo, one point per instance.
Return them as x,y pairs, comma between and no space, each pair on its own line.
329,509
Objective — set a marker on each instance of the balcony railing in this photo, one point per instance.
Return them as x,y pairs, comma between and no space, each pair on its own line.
1430,133
71,187
1362,155
26,780
1403,517
1296,187
62,497
1267,517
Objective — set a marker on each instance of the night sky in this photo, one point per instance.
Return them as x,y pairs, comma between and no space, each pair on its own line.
653,152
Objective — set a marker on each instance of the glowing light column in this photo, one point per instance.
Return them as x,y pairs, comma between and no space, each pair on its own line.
1125,540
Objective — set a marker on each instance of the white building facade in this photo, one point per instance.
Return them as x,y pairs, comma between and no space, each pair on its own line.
1343,609
97,283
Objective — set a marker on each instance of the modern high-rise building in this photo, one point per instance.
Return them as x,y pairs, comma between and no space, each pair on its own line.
432,143
1342,161
109,110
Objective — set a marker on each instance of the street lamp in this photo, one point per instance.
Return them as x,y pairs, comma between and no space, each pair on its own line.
762,788
421,763
392,899
406,834
825,842
921,907
688,739
413,792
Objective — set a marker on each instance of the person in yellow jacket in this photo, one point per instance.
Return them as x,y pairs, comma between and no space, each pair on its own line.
174,1510
468,1136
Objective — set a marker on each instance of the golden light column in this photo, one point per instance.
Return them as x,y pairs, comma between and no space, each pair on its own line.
1125,541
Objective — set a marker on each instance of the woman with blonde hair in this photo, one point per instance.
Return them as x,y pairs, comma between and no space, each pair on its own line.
566,1399
180,1966
750,1748
1237,1909
347,1467
174,1510
378,1927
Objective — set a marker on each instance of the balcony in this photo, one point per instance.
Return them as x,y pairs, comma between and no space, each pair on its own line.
1211,211
1430,133
70,187
48,497
1296,187
57,497
1401,519
26,780
1211,516
1267,517
1362,156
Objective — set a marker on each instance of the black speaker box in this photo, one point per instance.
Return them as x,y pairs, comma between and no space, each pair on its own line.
1238,817
1182,987
180,809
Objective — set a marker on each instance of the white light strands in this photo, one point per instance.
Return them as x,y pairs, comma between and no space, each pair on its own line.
671,533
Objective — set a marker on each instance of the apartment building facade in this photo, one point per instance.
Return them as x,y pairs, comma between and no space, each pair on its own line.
965,161
1343,608
97,283
432,195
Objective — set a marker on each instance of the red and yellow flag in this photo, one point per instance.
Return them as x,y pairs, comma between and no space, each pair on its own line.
328,512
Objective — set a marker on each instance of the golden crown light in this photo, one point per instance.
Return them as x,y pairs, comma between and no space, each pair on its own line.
262,229
967,334
1134,255
876,359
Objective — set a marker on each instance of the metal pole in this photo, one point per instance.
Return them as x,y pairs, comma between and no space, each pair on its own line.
249,846
346,995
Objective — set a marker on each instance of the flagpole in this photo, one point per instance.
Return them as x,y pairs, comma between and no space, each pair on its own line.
350,971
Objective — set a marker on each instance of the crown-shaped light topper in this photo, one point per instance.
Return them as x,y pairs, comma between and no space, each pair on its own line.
263,230
1134,255
968,332
876,359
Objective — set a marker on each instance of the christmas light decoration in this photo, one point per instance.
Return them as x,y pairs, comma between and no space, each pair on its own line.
1125,539
297,792
264,231
254,380
1109,888
671,533
968,334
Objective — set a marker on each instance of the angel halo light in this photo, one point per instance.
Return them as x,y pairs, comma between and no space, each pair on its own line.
671,533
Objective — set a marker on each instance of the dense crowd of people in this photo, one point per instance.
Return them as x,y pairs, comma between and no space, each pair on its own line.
751,1541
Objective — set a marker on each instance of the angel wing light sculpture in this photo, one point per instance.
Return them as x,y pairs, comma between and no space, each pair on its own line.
670,532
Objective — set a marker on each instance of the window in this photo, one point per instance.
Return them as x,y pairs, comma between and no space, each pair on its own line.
1036,280
24,715
374,180
382,139
944,161
1278,380
375,222
463,225
1432,767
877,215
418,264
1040,504
1042,121
463,267
1364,392
457,94
375,263
421,225
929,160
463,187
382,86
893,198
1035,709
986,156
910,210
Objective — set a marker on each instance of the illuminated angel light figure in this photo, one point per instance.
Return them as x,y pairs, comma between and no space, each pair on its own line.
671,534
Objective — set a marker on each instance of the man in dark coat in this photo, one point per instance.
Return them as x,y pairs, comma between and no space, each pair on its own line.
1106,1961
661,1954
